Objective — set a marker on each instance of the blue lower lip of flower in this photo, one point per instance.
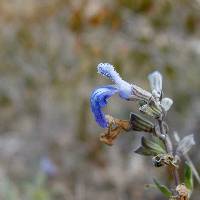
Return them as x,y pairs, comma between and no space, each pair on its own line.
98,100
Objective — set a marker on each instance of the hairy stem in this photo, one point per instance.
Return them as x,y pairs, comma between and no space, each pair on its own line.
169,148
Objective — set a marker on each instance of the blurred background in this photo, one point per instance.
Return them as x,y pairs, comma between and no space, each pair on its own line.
49,50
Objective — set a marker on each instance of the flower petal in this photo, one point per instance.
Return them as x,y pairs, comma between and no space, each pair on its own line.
98,100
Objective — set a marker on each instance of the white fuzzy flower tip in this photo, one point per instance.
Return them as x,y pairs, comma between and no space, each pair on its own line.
155,79
186,144
126,90
166,103
108,71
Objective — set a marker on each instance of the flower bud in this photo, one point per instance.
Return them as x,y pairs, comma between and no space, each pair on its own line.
166,103
155,80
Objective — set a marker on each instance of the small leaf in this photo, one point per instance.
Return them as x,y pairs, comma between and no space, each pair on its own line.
154,147
163,189
188,176
144,151
150,148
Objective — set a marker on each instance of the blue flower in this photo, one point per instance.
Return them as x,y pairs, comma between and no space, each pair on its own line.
126,91
98,100
99,96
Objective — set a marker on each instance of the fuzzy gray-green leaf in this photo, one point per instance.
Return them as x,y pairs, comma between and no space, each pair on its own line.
154,147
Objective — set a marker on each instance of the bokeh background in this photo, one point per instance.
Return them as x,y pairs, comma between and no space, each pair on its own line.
49,50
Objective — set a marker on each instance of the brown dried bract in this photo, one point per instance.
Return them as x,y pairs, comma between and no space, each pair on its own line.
116,127
183,192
